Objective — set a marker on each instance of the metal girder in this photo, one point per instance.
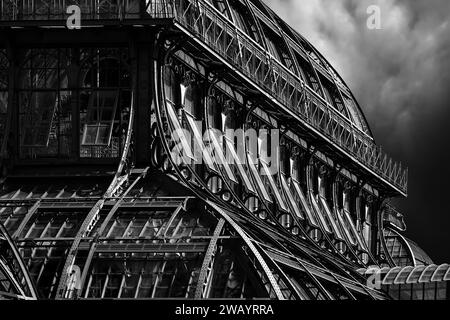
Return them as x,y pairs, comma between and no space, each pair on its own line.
18,258
208,261
317,272
151,248
15,289
256,66
281,274
252,248
92,216
30,213
385,170
119,203
97,247
308,272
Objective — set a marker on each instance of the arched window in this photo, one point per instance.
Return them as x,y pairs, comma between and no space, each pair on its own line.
44,104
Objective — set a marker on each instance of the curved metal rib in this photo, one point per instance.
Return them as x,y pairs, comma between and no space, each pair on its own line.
25,285
253,249
92,216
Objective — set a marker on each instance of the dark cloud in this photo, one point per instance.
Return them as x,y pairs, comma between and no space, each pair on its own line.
400,76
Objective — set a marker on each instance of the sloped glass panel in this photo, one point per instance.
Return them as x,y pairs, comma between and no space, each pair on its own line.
100,118
37,114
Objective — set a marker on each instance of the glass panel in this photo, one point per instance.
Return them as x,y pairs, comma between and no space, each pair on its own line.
406,292
3,111
278,48
220,157
54,224
199,141
100,118
394,291
228,278
349,228
403,275
244,19
287,190
129,286
97,279
240,165
221,6
103,135
145,289
319,213
275,188
397,249
164,279
418,290
4,72
257,177
441,293
37,229
430,291
90,134
355,113
136,227
37,115
440,272
113,285
118,227
70,227
330,218
179,133
305,205
311,79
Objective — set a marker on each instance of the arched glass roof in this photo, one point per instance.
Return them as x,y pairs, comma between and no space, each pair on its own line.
284,44
420,256
403,251
398,248
158,230
15,282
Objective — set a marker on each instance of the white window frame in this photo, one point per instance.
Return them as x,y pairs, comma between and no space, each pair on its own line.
100,123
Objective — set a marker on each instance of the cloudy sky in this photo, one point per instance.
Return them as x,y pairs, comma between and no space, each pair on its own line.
400,75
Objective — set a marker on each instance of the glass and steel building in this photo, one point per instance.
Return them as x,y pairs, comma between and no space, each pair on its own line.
128,168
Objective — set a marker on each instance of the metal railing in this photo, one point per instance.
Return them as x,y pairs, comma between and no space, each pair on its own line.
40,10
237,48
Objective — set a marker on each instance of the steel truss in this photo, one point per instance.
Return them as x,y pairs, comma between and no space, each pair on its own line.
298,241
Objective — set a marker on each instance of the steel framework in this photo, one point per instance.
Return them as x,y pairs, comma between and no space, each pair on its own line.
201,20
102,200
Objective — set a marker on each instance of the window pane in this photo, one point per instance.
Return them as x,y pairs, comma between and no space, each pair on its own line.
103,135
37,114
90,134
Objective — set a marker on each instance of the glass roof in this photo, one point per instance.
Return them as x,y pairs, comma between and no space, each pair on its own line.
420,256
287,46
